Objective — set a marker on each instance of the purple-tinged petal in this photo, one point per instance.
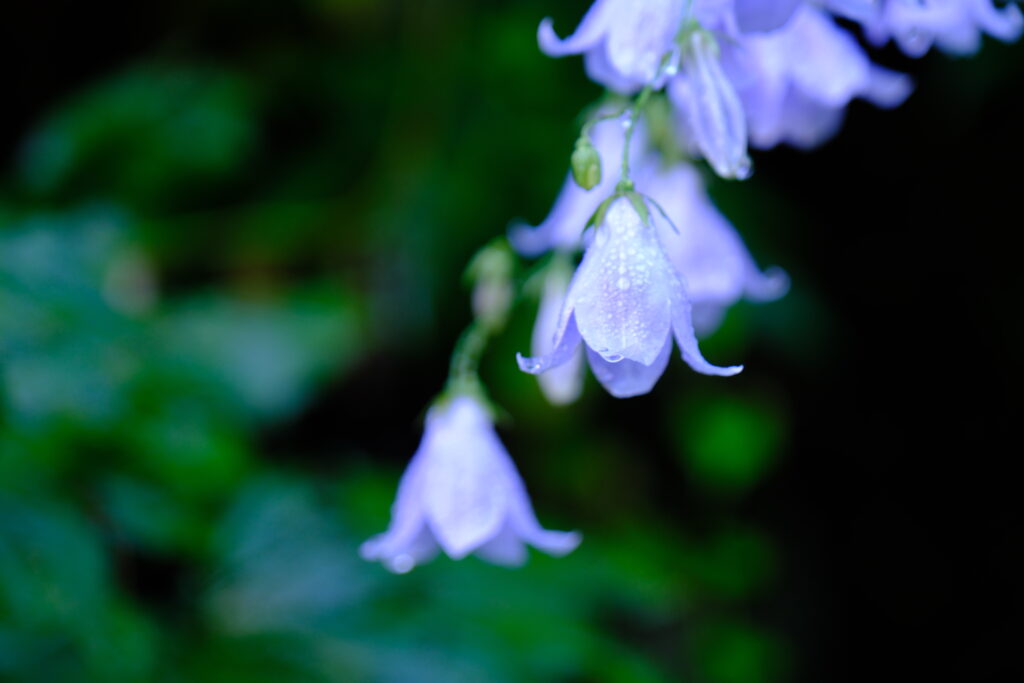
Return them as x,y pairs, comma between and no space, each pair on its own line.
682,327
715,265
856,10
955,26
563,226
567,341
763,15
600,70
767,285
713,110
807,123
707,317
796,82
825,59
1006,24
465,492
563,384
591,30
887,89
628,378
402,546
524,522
461,492
505,549
620,293
640,34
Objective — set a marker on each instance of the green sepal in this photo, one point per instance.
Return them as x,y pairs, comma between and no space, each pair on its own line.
586,164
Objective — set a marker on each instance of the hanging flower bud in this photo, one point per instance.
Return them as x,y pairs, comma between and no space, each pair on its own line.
586,164
712,112
490,271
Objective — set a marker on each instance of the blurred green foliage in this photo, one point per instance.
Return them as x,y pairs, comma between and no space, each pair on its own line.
202,249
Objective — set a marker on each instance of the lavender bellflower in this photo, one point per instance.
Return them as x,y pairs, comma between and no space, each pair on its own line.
705,248
625,303
564,384
462,492
954,26
795,82
623,41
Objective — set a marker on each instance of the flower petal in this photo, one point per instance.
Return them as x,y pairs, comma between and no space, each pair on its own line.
712,108
640,34
564,224
763,15
1006,25
620,293
464,489
567,340
628,378
402,545
682,326
887,88
506,549
562,384
600,70
526,526
591,29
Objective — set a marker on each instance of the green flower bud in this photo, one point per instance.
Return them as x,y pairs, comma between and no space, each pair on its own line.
490,272
586,164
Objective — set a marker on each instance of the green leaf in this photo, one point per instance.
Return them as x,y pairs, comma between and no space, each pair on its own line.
143,135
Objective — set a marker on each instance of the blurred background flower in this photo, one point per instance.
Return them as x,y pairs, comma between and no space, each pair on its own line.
230,243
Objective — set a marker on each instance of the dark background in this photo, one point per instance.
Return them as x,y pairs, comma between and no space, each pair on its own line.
388,141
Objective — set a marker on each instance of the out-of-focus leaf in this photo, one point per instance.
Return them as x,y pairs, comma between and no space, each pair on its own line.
143,135
283,563
183,444
53,587
257,659
730,651
68,334
147,516
729,442
124,647
53,573
733,564
260,358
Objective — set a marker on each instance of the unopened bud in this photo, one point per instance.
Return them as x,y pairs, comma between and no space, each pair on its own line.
586,164
491,274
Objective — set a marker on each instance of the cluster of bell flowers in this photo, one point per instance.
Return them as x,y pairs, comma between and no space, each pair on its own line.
679,268
660,263
767,71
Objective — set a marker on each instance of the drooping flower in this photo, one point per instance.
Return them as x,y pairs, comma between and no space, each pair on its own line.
705,248
564,224
462,492
625,304
954,26
623,41
795,82
563,384
711,113
708,252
